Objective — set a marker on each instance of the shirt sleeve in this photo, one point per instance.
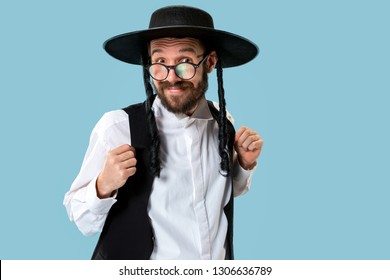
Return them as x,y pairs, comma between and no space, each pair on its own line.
241,177
83,206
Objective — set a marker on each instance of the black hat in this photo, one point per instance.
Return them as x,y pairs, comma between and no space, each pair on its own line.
179,22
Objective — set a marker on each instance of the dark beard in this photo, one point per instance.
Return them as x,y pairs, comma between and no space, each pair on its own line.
182,104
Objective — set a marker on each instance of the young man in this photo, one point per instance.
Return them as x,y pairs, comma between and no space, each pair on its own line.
158,178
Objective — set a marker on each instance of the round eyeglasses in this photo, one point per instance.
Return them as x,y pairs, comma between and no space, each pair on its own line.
184,70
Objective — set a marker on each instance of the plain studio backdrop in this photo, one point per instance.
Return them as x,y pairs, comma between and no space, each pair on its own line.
318,93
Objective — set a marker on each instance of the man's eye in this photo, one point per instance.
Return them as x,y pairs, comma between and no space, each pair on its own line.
185,60
160,60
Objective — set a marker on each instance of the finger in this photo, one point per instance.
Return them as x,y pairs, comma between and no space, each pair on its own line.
129,172
125,156
247,143
239,132
256,145
126,173
129,163
245,135
122,149
132,171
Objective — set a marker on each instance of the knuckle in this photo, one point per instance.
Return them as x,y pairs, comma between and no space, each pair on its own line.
126,155
131,154
123,147
132,171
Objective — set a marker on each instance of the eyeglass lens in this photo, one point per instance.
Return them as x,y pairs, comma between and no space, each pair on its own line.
183,70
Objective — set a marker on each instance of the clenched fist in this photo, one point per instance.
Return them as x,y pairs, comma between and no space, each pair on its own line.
118,167
248,144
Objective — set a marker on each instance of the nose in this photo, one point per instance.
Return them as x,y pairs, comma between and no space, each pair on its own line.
172,77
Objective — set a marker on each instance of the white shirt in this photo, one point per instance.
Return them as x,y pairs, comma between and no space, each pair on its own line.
187,200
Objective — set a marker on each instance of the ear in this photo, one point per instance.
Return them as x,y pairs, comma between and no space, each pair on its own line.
211,61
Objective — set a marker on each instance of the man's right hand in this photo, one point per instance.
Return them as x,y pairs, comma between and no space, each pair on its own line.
118,167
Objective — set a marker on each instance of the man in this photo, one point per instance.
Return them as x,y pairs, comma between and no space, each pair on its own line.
158,178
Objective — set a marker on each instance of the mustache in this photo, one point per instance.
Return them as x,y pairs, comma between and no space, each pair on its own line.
180,85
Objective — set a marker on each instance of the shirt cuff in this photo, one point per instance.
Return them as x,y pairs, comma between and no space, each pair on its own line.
94,203
242,179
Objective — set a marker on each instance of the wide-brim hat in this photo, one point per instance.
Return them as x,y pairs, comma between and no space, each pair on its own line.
180,22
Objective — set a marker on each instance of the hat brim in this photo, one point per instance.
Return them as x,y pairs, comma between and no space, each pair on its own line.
233,49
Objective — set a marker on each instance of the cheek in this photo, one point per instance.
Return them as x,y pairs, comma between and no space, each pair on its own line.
198,77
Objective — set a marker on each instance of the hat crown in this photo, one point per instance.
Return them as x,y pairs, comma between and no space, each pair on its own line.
180,16
180,22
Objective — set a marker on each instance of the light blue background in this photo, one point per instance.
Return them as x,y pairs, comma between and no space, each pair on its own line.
318,93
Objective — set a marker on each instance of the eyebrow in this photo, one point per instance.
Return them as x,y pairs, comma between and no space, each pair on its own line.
192,50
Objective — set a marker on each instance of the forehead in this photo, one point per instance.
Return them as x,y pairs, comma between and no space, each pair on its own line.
165,45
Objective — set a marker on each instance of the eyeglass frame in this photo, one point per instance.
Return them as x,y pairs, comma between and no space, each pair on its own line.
169,67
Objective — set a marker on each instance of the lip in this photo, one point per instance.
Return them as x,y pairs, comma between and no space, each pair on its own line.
175,90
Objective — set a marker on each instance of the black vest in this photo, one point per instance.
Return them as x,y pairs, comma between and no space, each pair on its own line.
127,233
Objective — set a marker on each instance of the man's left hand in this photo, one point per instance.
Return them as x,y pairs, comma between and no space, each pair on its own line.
247,144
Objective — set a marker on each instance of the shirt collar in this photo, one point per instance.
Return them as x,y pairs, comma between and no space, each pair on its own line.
202,112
